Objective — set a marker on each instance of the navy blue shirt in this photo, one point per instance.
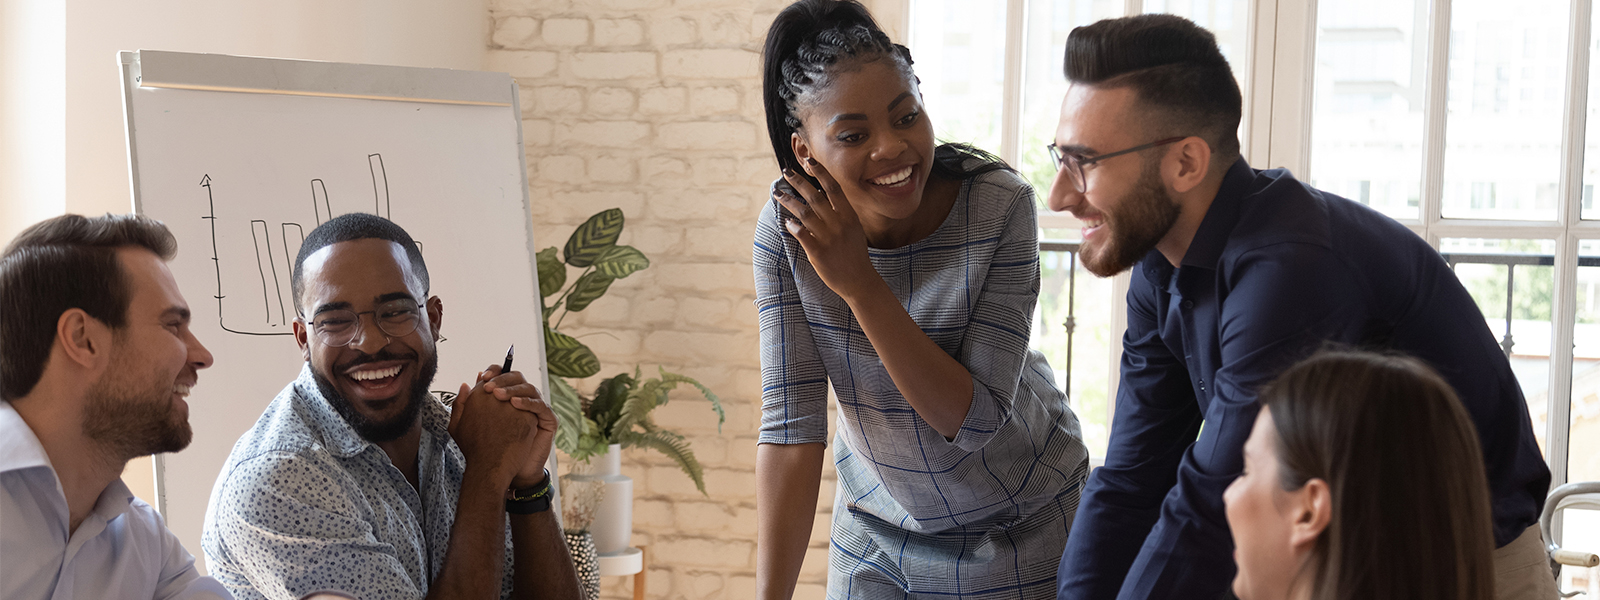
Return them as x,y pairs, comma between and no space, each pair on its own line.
1276,270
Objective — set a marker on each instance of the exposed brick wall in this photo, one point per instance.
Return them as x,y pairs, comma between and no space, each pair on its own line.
654,106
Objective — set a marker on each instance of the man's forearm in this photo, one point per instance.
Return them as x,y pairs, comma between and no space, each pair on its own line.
543,567
473,564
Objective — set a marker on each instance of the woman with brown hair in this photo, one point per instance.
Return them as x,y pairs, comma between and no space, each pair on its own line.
1363,479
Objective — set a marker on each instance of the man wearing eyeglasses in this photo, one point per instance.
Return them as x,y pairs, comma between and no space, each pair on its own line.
356,479
1236,274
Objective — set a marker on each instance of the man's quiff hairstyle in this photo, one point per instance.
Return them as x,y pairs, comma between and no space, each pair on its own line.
57,265
356,226
1174,68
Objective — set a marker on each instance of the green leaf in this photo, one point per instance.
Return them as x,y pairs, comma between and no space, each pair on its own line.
609,397
547,311
552,274
716,404
568,406
588,288
594,237
621,261
567,357
674,446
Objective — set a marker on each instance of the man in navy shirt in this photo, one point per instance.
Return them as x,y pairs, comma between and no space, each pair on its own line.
1236,274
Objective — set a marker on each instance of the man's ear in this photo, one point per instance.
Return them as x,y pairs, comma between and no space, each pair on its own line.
435,315
1187,165
300,333
82,339
1313,506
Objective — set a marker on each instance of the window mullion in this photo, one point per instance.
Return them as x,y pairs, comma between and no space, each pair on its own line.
1574,132
1011,96
1132,7
1437,95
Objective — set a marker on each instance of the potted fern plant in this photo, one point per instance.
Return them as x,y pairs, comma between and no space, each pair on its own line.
617,414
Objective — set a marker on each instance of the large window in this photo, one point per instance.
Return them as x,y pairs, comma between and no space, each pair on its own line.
1474,122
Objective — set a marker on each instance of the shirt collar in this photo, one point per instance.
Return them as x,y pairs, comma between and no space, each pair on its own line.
19,447
337,433
1212,236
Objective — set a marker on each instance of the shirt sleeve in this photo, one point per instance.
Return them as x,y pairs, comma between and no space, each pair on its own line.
1156,419
996,343
794,392
179,579
1282,303
289,528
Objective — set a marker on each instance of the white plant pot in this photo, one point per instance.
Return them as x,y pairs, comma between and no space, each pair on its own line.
613,518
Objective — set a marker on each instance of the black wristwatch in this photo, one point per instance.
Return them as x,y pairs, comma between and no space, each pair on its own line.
529,500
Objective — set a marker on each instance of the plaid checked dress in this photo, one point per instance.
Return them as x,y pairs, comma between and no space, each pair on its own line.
985,515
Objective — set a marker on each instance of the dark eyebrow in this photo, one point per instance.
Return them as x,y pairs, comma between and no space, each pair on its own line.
899,99
331,306
176,311
848,117
1077,149
392,296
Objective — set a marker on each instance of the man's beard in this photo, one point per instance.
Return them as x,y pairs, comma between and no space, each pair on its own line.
380,431
130,423
1139,223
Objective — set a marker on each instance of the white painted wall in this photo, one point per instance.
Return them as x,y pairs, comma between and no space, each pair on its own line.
62,141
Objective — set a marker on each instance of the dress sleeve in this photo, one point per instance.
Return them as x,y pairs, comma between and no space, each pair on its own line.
996,344
794,392
290,530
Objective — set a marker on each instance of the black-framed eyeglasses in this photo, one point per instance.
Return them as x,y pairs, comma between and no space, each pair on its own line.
340,327
1073,163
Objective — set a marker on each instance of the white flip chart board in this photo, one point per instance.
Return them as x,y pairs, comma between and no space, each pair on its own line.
242,157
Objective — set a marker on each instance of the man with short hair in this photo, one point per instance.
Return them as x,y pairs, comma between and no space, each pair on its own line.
1237,273
357,479
96,358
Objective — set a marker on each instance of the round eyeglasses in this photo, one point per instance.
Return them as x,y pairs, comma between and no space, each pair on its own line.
1073,163
339,327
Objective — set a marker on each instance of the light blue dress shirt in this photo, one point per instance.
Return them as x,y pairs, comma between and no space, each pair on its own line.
122,550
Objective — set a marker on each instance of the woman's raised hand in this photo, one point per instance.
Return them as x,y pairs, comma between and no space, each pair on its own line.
830,232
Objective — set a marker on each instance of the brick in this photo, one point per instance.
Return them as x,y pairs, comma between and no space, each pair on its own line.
698,584
703,552
741,586
611,169
653,514
609,343
703,517
655,310
565,32
674,31
758,171
612,134
536,132
725,28
716,171
630,4
702,346
816,562
522,63
704,4
687,413
695,204
707,135
711,278
660,168
705,312
714,100
518,33
558,99
562,169
612,65
742,453
811,590
710,64
618,32
655,241
611,101
576,207
663,101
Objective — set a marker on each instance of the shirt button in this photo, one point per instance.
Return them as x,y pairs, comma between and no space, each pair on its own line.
1187,304
1202,385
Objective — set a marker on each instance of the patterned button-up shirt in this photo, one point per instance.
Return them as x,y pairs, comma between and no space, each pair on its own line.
304,504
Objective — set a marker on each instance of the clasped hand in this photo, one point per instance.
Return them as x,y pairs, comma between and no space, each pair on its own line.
504,424
829,230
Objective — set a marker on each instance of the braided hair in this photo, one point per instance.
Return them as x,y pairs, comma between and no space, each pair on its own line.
809,42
